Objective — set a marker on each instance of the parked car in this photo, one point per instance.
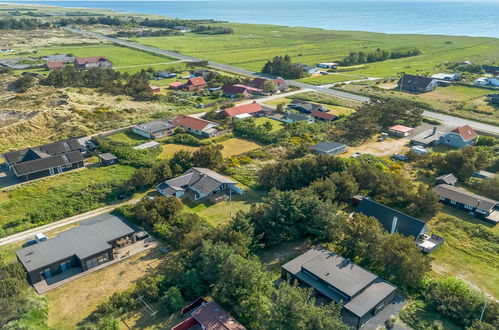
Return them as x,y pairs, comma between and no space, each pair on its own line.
420,150
40,237
400,157
357,154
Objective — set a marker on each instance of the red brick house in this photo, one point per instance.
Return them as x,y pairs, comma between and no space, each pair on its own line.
93,62
279,82
252,109
195,84
176,85
323,116
196,125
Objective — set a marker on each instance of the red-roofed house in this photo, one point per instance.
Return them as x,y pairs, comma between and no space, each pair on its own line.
176,85
5,49
196,125
245,91
93,62
323,116
400,130
208,316
279,82
155,89
195,84
460,137
252,109
51,66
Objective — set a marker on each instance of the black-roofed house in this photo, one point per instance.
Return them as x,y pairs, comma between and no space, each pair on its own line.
45,160
329,148
306,107
394,221
108,159
362,293
154,129
492,69
291,117
201,182
419,84
449,179
480,207
84,247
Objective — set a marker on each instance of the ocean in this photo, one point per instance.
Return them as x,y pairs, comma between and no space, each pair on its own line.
448,17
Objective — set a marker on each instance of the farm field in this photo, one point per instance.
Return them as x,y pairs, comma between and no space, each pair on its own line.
252,45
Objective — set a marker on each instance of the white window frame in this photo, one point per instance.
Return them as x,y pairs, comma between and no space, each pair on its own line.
453,202
468,207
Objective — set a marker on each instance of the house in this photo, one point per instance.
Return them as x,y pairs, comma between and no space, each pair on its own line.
306,107
328,65
108,159
329,148
493,99
394,221
362,293
294,117
196,125
165,74
487,81
176,85
484,175
154,129
419,84
207,315
491,69
253,109
155,89
51,66
202,73
308,69
400,130
6,49
480,207
147,145
428,137
201,182
449,179
195,84
84,247
258,83
460,137
49,159
238,89
446,76
323,116
100,62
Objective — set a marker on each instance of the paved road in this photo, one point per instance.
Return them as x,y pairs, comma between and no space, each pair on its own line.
22,236
219,66
455,122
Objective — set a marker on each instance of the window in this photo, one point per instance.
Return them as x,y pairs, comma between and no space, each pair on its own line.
69,165
468,207
442,198
452,202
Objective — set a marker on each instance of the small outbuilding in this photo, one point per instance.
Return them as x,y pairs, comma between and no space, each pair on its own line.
400,130
108,159
329,148
449,179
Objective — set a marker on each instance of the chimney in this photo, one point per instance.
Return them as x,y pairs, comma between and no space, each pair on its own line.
434,130
394,224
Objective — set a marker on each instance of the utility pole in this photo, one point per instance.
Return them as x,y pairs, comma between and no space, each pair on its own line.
483,309
230,203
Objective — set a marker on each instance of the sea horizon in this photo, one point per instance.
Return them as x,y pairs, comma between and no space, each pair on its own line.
440,17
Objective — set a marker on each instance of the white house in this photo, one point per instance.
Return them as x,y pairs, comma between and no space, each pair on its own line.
487,81
446,76
328,65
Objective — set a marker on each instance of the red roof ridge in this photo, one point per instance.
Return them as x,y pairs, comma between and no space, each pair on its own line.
245,108
466,132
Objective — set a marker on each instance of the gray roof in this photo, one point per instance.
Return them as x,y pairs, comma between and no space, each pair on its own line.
307,106
90,238
447,178
296,117
46,163
483,174
406,225
45,150
464,197
155,126
412,81
197,178
147,145
327,147
108,156
427,137
340,280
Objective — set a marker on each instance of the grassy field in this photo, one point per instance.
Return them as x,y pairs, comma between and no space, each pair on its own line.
237,146
128,137
252,45
334,109
330,78
466,254
74,301
17,202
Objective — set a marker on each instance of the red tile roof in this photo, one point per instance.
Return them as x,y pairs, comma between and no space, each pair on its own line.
400,128
55,65
197,81
94,59
323,115
258,82
190,122
213,317
238,110
176,84
466,132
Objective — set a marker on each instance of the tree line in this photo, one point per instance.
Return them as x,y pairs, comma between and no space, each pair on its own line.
282,66
355,58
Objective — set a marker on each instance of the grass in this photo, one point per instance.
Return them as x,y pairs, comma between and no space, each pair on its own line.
219,214
330,79
334,109
19,201
276,125
236,146
73,302
170,149
466,253
128,137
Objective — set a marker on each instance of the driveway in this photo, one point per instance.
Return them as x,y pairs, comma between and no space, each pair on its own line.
392,309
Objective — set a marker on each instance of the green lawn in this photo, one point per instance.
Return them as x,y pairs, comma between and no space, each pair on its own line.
276,125
330,79
19,201
128,137
217,214
252,45
334,109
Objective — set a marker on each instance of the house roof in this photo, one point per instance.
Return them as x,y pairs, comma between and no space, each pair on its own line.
323,115
258,82
240,109
191,122
213,317
327,147
196,81
406,225
466,132
447,178
483,174
46,163
340,279
55,65
296,117
197,178
44,150
307,106
93,59
90,238
147,145
400,128
464,197
154,126
490,68
238,89
176,84
107,156
409,80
